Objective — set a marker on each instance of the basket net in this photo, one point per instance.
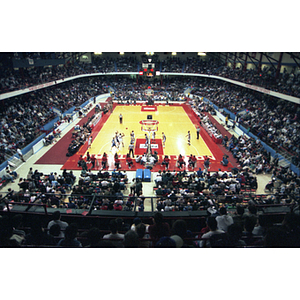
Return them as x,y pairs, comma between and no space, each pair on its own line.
149,125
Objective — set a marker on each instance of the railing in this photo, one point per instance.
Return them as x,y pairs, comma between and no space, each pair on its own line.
97,204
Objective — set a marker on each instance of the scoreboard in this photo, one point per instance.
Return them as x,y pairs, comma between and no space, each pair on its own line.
148,69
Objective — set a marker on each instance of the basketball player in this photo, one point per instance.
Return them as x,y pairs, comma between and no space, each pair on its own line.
189,138
147,139
132,137
153,135
120,138
132,134
90,141
164,138
113,143
117,139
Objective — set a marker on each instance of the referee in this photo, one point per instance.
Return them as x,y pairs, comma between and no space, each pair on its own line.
131,147
198,132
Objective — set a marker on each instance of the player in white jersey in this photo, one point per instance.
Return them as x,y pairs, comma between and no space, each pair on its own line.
188,138
164,138
153,135
90,141
120,138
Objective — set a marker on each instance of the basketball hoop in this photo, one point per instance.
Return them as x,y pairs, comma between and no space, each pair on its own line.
149,125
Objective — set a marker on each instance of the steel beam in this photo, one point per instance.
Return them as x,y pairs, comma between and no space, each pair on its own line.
279,65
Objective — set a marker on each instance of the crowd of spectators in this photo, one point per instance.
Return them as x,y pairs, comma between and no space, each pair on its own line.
80,135
128,91
172,64
39,188
22,118
209,127
273,121
12,80
285,186
248,152
219,191
200,190
177,191
286,83
214,192
64,191
201,66
108,189
126,64
205,190
219,230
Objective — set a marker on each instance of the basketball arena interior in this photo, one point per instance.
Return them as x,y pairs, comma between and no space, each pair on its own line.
150,149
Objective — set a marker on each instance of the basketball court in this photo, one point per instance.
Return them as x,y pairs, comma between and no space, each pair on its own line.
173,120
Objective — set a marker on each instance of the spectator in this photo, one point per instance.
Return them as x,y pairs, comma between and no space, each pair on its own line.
94,237
212,225
115,236
238,216
20,154
37,236
131,239
70,239
142,231
235,232
224,220
56,220
224,161
159,228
